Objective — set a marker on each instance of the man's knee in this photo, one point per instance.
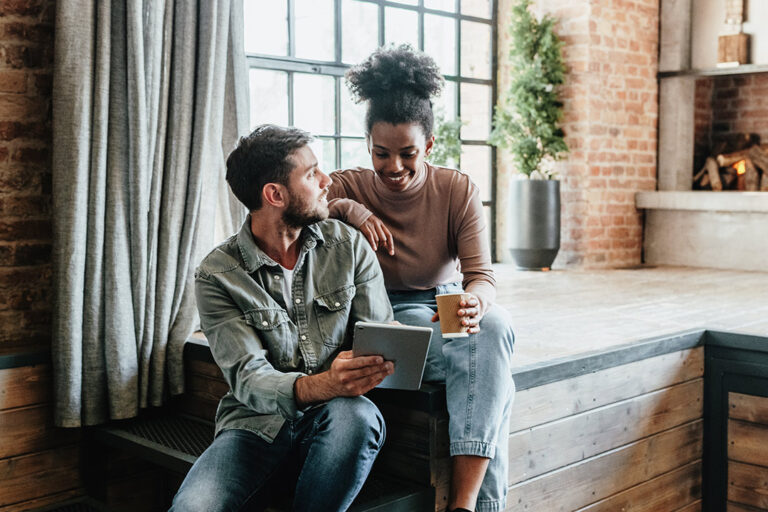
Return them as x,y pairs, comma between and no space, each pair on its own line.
198,498
357,419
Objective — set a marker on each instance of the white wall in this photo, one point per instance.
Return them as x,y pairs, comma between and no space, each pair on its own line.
707,22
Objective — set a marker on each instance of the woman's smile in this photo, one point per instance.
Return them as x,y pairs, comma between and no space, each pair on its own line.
398,180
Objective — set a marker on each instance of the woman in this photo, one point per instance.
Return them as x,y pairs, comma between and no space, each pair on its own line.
427,225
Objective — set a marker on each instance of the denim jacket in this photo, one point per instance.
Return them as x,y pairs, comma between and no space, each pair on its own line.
260,348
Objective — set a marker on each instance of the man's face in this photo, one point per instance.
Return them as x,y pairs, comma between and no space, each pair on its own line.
307,191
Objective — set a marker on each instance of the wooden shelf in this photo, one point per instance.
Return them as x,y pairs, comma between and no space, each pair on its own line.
737,70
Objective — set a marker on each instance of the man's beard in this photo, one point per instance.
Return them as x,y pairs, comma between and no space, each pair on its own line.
298,214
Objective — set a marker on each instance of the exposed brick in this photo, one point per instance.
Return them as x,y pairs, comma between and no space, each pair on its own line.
13,81
32,253
19,31
20,179
18,56
10,130
15,107
21,7
43,83
30,155
25,206
7,253
25,229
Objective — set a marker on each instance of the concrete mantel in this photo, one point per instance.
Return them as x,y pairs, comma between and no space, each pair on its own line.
729,201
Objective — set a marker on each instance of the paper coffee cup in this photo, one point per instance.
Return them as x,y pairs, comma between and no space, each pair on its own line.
448,305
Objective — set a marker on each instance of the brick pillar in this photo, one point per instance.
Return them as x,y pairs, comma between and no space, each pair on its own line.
610,119
26,66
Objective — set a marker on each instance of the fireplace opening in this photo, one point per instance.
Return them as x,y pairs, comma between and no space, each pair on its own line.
731,126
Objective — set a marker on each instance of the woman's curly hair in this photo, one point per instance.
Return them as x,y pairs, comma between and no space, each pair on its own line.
397,82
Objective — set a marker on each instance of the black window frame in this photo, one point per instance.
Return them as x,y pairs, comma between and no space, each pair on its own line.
336,69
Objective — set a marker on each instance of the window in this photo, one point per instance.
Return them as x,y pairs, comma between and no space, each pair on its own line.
298,51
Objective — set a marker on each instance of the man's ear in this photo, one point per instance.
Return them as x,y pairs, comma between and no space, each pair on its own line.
274,194
430,143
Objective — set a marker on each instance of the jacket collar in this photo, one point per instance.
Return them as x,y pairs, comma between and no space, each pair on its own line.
254,258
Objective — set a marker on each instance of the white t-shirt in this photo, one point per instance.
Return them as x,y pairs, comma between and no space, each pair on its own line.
287,285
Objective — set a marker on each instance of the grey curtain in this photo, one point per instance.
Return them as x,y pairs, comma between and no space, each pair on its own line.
140,134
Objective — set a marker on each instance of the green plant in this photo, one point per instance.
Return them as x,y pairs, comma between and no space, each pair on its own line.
447,148
527,115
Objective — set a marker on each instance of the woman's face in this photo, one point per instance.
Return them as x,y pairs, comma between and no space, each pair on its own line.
398,152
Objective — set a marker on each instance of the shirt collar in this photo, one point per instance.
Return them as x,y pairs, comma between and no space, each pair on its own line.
254,258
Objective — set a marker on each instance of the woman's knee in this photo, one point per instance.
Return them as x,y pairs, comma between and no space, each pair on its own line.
414,314
497,325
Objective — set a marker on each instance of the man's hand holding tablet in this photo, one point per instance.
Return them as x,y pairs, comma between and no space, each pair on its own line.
406,346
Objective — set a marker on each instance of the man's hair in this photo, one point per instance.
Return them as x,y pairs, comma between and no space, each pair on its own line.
263,156
397,82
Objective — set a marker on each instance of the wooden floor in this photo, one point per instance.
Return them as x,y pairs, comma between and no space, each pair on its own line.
563,313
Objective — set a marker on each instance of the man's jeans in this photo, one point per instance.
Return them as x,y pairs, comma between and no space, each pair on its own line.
327,453
479,386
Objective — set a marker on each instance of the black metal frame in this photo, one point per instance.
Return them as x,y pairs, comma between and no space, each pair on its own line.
337,68
733,363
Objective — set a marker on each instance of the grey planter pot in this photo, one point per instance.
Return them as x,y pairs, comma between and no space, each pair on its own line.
534,233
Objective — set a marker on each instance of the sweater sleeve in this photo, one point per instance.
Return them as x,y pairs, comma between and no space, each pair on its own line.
342,207
473,244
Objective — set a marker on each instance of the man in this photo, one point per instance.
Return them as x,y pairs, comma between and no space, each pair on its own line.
277,302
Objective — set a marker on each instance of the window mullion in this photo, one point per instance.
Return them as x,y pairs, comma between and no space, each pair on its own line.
291,28
337,120
290,99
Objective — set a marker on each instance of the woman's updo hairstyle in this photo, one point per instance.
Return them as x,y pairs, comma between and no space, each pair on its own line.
397,82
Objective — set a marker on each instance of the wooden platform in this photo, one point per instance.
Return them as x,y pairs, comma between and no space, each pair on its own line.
574,312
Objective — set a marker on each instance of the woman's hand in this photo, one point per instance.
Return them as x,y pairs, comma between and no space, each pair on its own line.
469,312
377,234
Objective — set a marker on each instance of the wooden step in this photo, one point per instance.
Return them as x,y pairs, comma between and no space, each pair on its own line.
174,441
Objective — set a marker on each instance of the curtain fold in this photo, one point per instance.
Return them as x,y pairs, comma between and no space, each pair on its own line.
140,92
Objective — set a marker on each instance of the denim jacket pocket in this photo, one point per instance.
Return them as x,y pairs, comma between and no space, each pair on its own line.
332,311
274,329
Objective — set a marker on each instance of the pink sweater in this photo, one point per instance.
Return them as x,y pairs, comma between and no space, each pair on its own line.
437,224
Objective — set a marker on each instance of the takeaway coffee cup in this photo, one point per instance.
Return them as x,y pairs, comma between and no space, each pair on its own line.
448,304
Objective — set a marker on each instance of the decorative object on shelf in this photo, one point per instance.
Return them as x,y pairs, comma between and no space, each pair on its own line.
733,45
526,123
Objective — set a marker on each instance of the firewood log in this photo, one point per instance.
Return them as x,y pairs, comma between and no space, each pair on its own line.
759,157
726,159
713,171
704,181
728,176
752,176
764,182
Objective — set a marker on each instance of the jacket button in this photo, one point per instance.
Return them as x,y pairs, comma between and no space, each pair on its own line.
265,323
303,337
298,301
337,304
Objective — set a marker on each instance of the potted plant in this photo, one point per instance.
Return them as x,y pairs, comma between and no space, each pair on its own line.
526,123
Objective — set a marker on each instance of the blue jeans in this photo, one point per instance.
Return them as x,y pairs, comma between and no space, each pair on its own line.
327,453
477,373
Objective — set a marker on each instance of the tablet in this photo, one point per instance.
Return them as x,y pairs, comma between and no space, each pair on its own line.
404,345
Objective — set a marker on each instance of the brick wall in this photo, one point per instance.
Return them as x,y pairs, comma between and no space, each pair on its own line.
26,65
611,110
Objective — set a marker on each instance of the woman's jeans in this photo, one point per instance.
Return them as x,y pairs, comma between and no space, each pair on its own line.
478,378
325,456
